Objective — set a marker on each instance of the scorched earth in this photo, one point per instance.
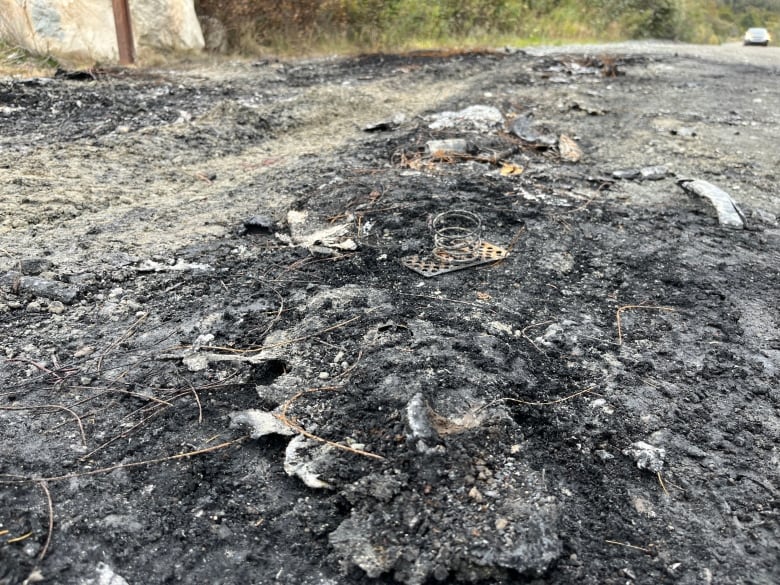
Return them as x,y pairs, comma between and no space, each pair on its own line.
220,367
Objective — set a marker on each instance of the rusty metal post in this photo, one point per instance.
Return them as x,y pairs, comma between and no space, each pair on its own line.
124,32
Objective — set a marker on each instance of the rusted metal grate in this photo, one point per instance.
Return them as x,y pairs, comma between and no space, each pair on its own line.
439,262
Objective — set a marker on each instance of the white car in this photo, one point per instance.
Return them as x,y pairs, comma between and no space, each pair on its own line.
757,36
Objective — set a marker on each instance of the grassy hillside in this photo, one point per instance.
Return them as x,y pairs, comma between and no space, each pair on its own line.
294,26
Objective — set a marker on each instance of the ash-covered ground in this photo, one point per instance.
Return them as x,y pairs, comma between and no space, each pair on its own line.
218,368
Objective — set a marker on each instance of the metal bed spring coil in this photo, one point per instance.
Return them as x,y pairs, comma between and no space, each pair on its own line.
457,236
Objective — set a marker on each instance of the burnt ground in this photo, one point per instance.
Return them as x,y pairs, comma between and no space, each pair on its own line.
194,392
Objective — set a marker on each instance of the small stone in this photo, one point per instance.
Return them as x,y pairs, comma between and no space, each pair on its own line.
476,495
34,307
643,507
478,117
56,308
260,422
501,523
85,278
418,420
498,328
646,456
386,125
84,351
672,569
324,375
105,574
569,149
706,576
31,548
259,224
34,266
728,213
626,174
195,362
523,128
40,287
684,132
654,173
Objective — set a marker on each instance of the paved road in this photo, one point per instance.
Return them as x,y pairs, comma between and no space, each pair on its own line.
726,53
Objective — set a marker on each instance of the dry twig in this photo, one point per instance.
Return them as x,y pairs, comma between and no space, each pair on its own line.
19,538
60,374
50,531
293,424
197,400
662,484
126,335
447,300
542,403
513,242
121,435
531,326
185,455
275,318
627,545
56,407
107,390
350,369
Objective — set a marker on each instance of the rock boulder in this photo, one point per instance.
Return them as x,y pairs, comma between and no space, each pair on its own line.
84,29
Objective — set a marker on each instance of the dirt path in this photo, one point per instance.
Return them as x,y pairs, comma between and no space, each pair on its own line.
83,165
218,367
149,190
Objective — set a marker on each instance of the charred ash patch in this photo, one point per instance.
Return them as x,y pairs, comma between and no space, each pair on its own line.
284,401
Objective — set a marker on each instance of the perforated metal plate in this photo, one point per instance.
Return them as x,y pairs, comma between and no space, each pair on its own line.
433,265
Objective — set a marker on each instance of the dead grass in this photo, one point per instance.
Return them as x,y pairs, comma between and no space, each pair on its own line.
17,62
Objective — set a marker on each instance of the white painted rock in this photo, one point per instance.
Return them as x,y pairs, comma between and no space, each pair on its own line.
85,29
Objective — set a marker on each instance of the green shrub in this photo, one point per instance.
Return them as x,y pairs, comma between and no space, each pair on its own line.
302,26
